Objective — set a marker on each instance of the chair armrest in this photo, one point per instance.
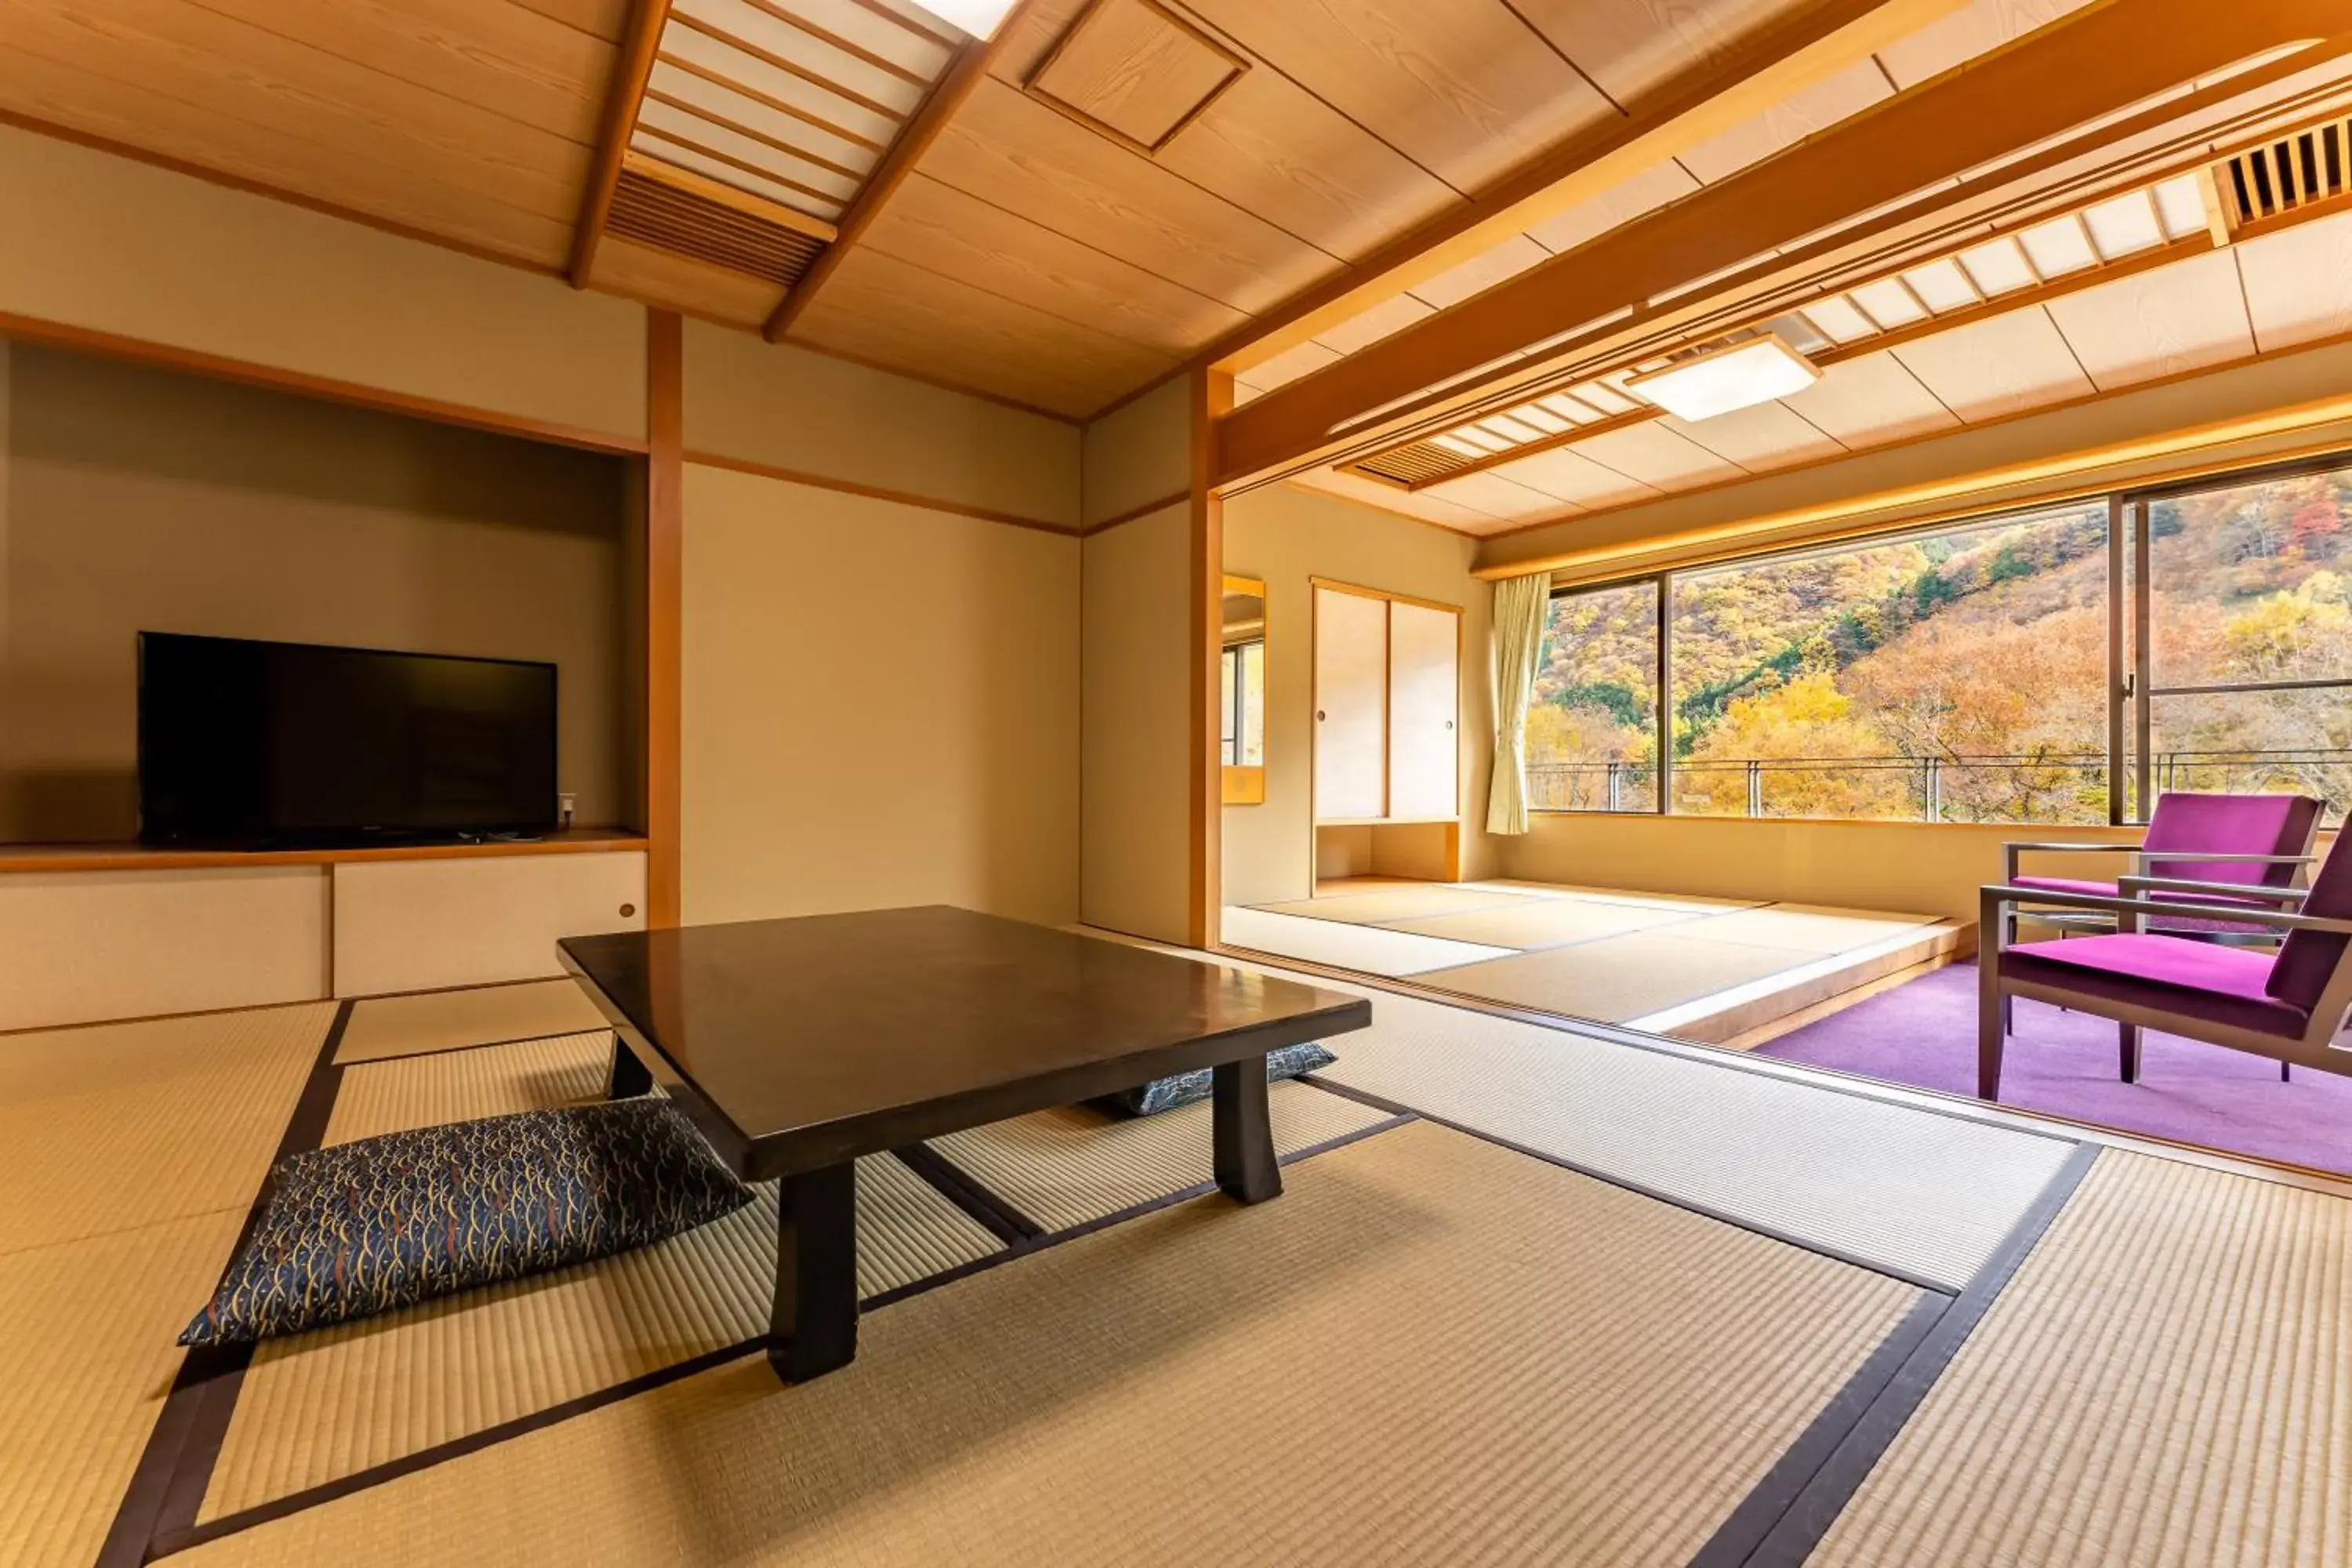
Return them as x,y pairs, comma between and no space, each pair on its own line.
2133,885
2010,852
1995,895
2201,857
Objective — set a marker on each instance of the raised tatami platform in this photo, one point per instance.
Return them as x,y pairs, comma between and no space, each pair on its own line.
1698,968
1531,1295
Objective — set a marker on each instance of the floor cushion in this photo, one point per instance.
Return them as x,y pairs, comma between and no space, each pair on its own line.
380,1223
1184,1088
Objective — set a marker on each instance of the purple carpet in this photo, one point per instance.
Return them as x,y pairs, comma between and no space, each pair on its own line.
1925,1034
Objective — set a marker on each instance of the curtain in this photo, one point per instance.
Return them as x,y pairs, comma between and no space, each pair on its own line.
1519,607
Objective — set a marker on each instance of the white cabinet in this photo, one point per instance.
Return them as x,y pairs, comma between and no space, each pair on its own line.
1386,707
425,925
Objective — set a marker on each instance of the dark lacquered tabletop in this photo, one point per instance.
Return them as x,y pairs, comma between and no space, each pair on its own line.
798,1043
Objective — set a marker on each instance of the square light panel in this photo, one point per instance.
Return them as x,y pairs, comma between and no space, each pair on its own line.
1742,376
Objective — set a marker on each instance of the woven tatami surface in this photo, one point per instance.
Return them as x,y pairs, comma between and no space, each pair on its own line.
121,1125
2165,1383
1429,1350
1417,901
477,1015
86,1356
1547,923
394,1095
1066,1167
1928,1194
1614,978
1369,949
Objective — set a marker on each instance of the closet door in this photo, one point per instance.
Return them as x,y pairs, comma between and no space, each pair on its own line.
1423,683
1351,645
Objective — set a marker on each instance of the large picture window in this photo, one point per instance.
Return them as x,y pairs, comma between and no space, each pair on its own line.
1987,671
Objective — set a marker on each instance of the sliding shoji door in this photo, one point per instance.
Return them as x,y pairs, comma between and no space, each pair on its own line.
1425,652
1351,653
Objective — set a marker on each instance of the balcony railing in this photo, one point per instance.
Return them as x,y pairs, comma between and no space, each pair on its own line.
2041,786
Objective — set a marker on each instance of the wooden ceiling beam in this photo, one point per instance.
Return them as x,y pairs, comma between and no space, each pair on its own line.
2092,63
631,68
1816,43
965,72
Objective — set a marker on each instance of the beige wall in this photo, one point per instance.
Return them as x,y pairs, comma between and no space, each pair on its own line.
2245,391
880,705
116,245
1286,536
142,498
790,408
1139,455
1135,658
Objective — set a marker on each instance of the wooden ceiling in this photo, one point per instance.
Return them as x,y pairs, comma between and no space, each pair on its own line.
1114,188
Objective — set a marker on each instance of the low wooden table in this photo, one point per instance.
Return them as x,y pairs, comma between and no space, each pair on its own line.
796,1045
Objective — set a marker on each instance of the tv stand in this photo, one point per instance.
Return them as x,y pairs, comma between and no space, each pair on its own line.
158,857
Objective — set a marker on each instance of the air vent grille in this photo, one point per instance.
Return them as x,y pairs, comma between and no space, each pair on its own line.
686,224
2309,169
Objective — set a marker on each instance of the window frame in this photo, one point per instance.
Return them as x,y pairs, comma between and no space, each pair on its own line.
2130,691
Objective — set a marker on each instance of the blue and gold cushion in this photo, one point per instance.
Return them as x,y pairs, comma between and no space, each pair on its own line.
1184,1088
366,1226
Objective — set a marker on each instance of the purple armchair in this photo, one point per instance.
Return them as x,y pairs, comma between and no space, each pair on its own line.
2261,841
2288,1006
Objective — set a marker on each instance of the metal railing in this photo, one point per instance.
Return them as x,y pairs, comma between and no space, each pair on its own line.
2040,786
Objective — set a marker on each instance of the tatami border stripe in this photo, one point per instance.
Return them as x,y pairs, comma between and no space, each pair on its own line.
964,1189
162,1541
1818,1248
1817,1505
189,1430
474,1045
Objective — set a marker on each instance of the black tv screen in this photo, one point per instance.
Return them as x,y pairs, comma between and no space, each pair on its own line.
263,744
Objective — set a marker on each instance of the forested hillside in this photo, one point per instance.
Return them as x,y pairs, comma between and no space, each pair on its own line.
1848,671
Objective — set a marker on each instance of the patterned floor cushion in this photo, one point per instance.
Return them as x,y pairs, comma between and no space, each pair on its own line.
1183,1088
366,1226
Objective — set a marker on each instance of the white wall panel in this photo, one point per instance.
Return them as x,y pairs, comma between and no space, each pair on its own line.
421,925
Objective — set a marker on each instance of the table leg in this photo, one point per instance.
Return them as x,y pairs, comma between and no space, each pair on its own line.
630,1076
814,1329
1242,1133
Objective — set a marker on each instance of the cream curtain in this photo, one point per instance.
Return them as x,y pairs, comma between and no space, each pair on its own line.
1519,605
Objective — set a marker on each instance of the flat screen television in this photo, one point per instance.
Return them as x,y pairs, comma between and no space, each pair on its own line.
283,745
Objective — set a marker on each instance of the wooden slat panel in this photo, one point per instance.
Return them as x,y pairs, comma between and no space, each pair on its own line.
659,278
498,55
860,27
880,309
1021,156
1656,455
1481,272
1631,47
66,95
691,128
767,33
1465,89
936,226
1769,436
687,46
1869,401
2161,322
756,117
1651,189
1370,326
339,108
1496,495
1973,30
1572,477
1997,366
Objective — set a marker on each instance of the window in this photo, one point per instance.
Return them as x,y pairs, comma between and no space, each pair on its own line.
1592,742
1961,673
1243,706
2248,672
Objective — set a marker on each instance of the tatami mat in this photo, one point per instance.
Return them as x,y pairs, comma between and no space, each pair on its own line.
1429,1350
1615,895
315,1407
1416,902
479,1016
1067,1167
86,1356
1366,949
1548,923
115,1126
398,1094
1618,977
2166,1383
1928,1194
1804,928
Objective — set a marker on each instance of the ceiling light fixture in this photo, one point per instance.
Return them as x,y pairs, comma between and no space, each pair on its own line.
1741,376
981,18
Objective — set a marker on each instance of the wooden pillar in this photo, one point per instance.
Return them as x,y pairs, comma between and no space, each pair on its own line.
665,481
1209,397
